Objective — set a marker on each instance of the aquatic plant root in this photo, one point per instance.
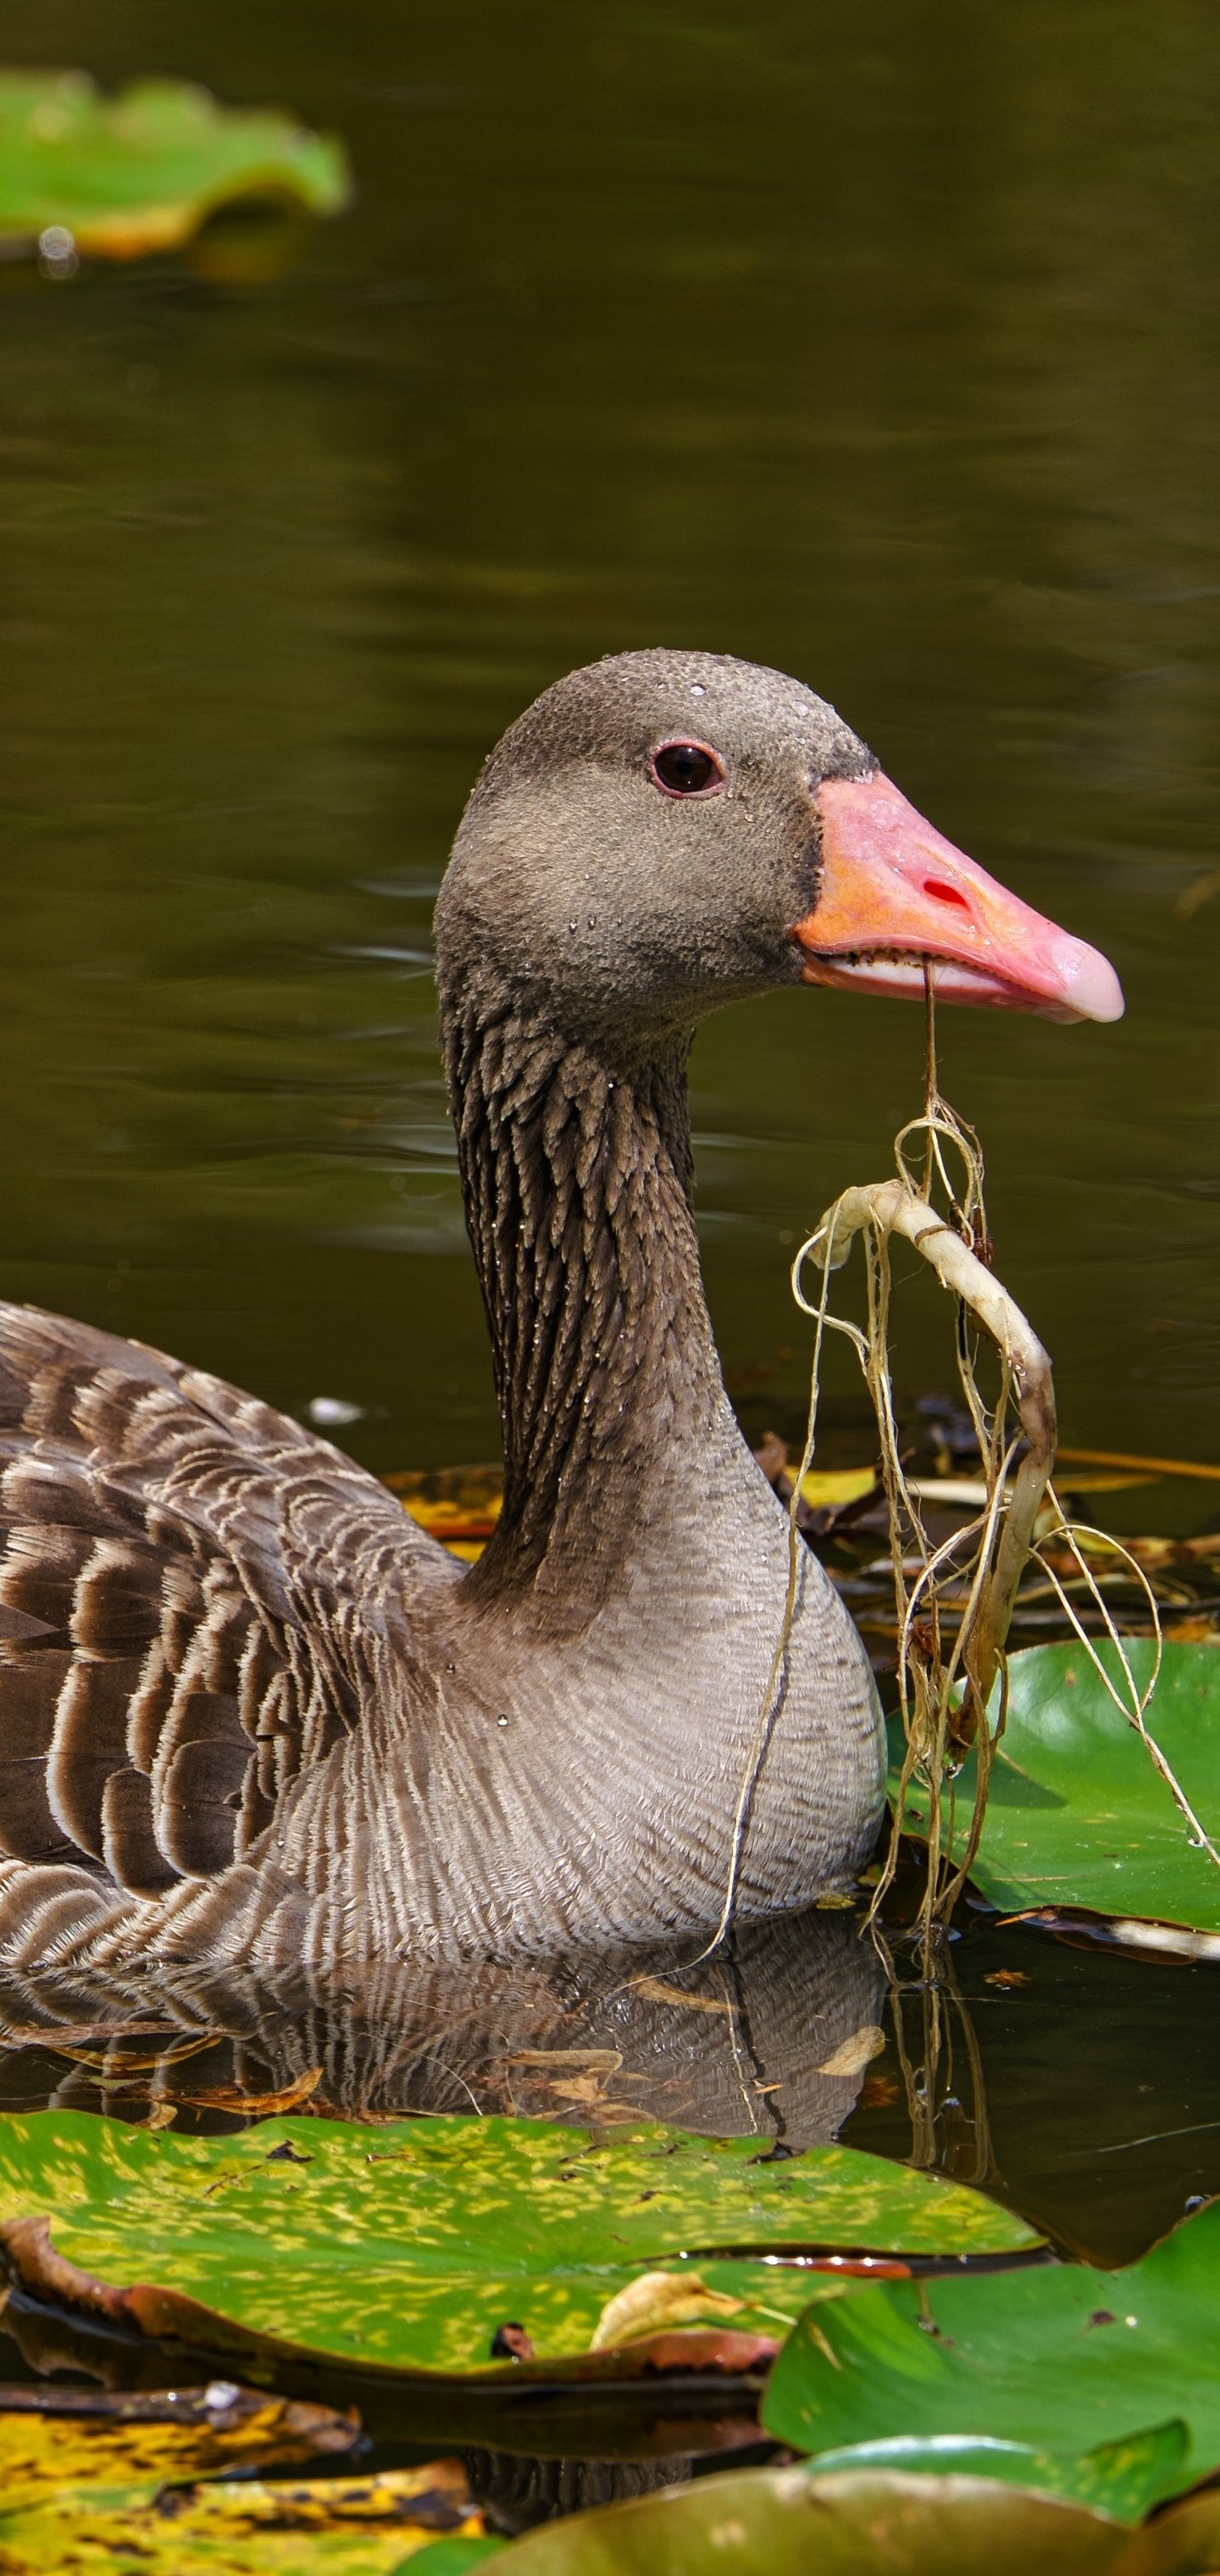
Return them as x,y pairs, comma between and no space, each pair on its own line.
953,1602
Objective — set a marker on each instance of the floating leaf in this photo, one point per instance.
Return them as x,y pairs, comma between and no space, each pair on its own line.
453,2557
1135,1458
834,1485
139,2445
457,1505
658,2300
252,2106
855,2053
973,1493
364,2526
411,2245
793,2521
1060,2356
141,172
1124,2478
1076,1813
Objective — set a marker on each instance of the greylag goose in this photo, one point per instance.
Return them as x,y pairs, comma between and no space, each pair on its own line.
251,1713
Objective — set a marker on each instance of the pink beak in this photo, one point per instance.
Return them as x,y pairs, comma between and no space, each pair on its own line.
896,896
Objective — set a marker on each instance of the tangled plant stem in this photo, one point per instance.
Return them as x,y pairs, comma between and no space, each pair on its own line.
949,1663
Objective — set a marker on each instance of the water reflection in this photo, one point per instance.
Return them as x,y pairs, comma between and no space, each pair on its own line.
1080,2087
770,2038
920,410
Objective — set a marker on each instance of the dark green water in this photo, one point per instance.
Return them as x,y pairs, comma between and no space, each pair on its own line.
878,344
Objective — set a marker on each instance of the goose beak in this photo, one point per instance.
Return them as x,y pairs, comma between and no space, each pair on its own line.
895,896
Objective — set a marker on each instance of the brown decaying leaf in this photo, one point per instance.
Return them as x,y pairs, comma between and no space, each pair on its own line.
113,2063
255,2106
1134,1458
878,2092
595,2061
691,2351
458,1505
655,1991
855,2053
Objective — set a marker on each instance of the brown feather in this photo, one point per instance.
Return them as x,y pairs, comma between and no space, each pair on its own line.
198,1812
89,1742
130,1848
162,1677
39,1571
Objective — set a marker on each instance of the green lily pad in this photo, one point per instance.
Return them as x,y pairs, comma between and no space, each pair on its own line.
410,2245
141,172
1076,1813
792,2521
1124,2479
453,2557
1059,2356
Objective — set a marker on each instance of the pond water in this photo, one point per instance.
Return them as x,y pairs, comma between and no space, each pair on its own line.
880,345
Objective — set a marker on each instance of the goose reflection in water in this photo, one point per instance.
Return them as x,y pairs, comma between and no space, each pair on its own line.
770,2037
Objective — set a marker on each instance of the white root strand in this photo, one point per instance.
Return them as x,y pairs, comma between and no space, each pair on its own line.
893,1207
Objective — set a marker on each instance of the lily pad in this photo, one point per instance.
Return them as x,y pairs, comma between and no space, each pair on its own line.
1059,2356
125,176
1076,1812
138,2445
413,2245
790,2521
1124,2479
363,2526
453,2557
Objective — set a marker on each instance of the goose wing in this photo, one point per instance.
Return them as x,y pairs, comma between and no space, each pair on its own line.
191,1587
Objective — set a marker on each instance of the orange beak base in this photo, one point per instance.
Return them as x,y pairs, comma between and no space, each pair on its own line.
897,898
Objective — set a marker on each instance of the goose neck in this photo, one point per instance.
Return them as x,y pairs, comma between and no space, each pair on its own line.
576,1173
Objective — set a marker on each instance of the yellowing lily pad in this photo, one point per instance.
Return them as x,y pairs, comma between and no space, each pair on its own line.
457,1505
348,2526
837,1485
137,2444
412,2246
125,176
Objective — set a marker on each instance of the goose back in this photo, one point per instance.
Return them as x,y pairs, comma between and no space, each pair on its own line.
189,1587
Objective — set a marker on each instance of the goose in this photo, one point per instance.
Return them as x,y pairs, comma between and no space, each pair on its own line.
249,1712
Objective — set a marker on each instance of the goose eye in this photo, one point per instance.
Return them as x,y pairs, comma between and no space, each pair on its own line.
687,769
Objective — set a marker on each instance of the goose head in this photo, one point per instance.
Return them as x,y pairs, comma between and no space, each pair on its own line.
662,832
